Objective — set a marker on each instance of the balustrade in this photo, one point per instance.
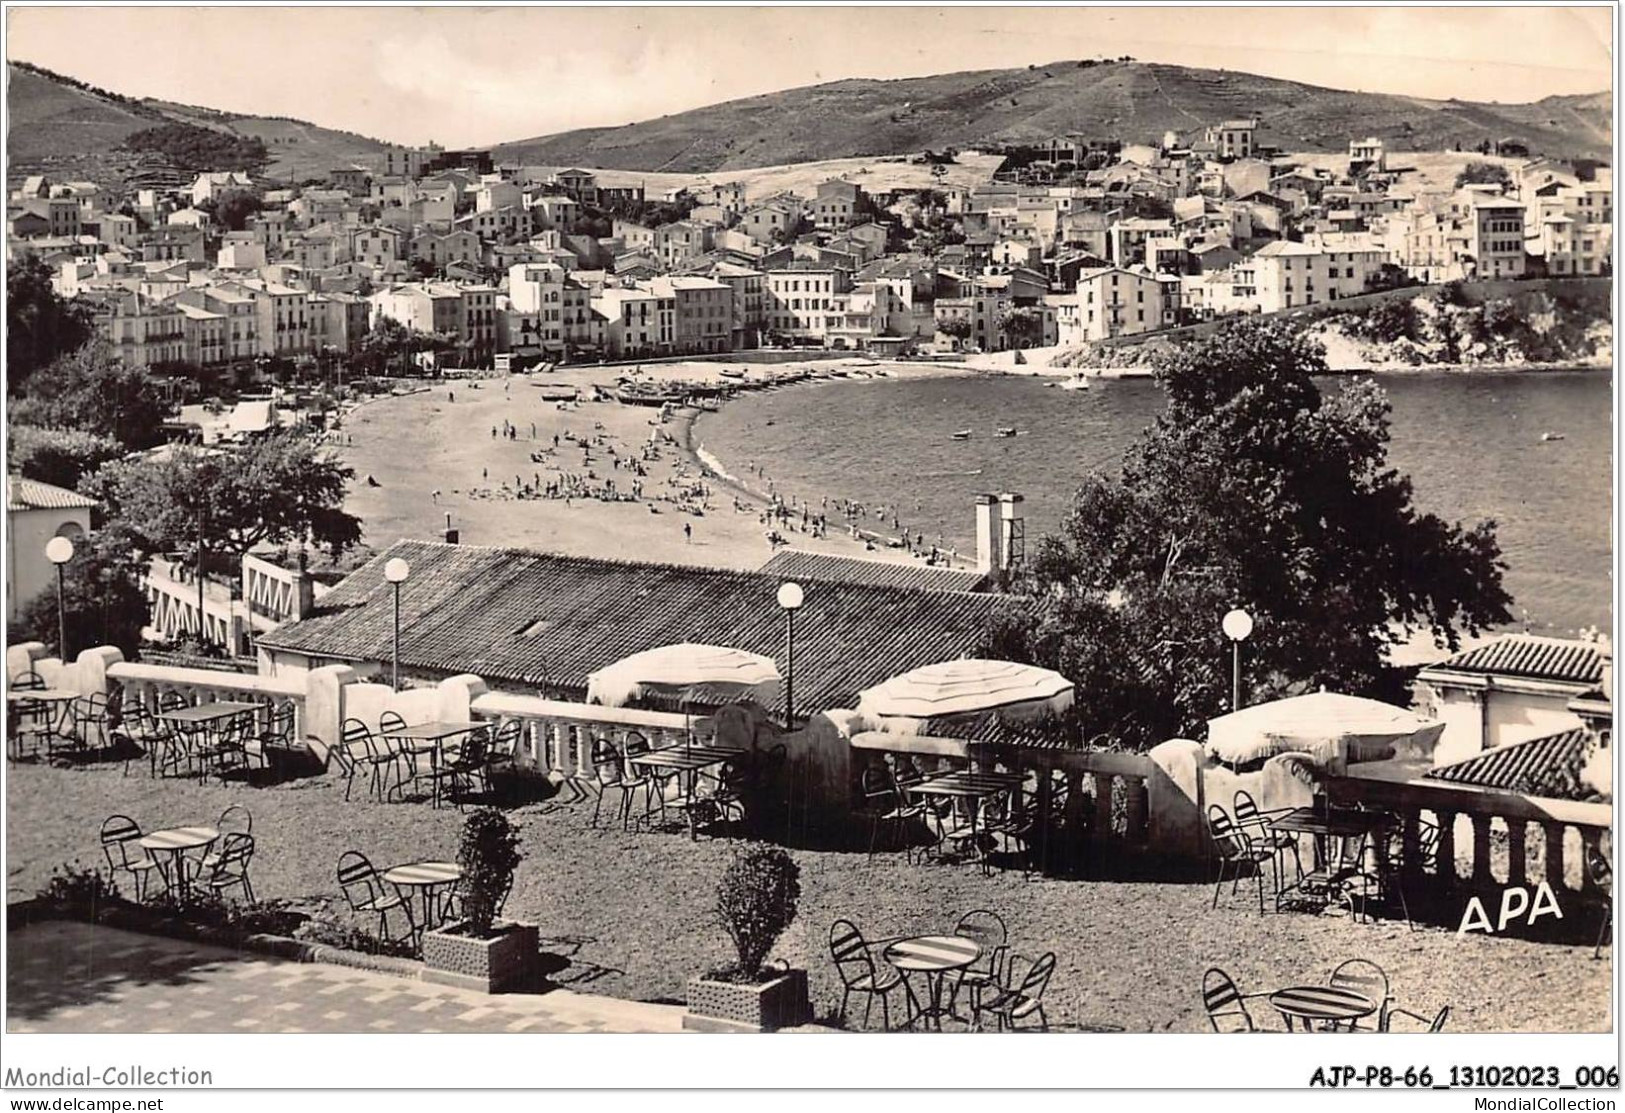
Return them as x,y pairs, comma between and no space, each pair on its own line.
148,684
558,735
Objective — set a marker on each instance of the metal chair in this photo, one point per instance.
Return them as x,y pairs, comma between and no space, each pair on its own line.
1256,823
1234,852
364,890
502,754
1364,976
1225,1002
89,718
986,928
886,808
465,766
235,820
610,775
138,731
377,758
277,736
856,966
1435,1024
121,845
231,865
1015,1001
1601,875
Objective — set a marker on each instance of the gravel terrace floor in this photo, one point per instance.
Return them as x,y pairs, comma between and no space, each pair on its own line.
631,912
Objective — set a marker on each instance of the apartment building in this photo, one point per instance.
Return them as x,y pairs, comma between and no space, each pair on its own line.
1115,301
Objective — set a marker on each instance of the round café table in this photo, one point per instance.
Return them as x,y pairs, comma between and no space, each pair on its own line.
427,877
1331,1005
932,956
175,842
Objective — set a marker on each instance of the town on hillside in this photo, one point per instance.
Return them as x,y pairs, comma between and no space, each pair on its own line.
1070,242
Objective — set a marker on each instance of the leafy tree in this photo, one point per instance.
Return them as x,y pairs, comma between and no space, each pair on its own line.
91,389
1252,490
957,328
60,456
194,148
233,208
1021,325
1483,173
102,598
40,326
282,488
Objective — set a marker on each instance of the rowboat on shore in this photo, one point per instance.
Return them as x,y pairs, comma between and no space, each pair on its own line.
648,397
1080,381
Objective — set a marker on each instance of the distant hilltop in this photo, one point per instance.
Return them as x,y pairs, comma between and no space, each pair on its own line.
68,129
1135,102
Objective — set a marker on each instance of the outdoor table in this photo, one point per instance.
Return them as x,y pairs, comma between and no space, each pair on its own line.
431,739
427,877
203,720
1331,1004
686,759
44,698
932,956
967,784
1325,825
175,842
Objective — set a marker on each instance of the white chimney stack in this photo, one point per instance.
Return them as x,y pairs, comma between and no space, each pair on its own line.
1012,531
988,535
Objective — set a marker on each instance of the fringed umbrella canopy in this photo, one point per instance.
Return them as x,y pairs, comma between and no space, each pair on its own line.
1324,725
678,668
1018,693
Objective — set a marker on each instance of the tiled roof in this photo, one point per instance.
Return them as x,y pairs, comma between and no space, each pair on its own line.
1531,658
31,494
524,617
798,564
1548,766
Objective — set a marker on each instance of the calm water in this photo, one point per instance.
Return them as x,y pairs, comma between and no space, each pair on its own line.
1471,443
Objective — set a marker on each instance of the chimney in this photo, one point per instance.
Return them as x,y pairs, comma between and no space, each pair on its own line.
1012,531
987,535
304,590
451,534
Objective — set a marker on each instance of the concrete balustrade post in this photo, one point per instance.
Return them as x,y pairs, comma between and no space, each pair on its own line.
324,706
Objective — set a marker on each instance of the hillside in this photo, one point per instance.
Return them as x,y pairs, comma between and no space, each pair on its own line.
1135,101
67,130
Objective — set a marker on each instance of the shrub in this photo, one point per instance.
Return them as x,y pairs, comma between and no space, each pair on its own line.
756,901
353,937
80,891
488,855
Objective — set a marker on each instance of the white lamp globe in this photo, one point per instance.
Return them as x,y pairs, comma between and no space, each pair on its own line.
1238,624
59,550
397,570
790,596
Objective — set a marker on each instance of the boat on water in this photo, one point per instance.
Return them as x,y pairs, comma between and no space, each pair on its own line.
962,435
1551,436
1079,381
1005,431
731,373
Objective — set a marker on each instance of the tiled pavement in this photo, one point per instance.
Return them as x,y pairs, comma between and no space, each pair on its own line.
72,977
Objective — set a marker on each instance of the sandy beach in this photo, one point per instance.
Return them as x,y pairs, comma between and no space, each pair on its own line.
500,458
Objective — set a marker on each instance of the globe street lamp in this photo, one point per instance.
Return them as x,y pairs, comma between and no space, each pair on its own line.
396,572
790,598
59,550
1238,624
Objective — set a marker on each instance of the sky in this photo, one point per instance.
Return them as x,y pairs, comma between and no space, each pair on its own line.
479,76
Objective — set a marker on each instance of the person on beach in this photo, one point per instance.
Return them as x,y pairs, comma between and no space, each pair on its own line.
688,533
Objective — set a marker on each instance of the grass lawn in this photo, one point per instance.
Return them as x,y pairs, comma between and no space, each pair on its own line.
631,912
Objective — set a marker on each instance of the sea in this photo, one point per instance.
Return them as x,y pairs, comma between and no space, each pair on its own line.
1532,451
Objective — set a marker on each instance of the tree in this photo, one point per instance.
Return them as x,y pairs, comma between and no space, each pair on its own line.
282,488
92,389
1254,491
41,327
60,456
955,328
1483,173
102,596
1022,324
233,208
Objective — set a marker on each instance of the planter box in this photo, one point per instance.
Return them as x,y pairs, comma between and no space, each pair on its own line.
729,1007
504,961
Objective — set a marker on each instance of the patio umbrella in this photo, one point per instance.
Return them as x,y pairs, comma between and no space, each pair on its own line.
1015,692
679,669
1324,725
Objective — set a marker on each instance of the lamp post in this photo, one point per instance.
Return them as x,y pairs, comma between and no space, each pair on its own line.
790,598
1238,624
59,550
396,572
